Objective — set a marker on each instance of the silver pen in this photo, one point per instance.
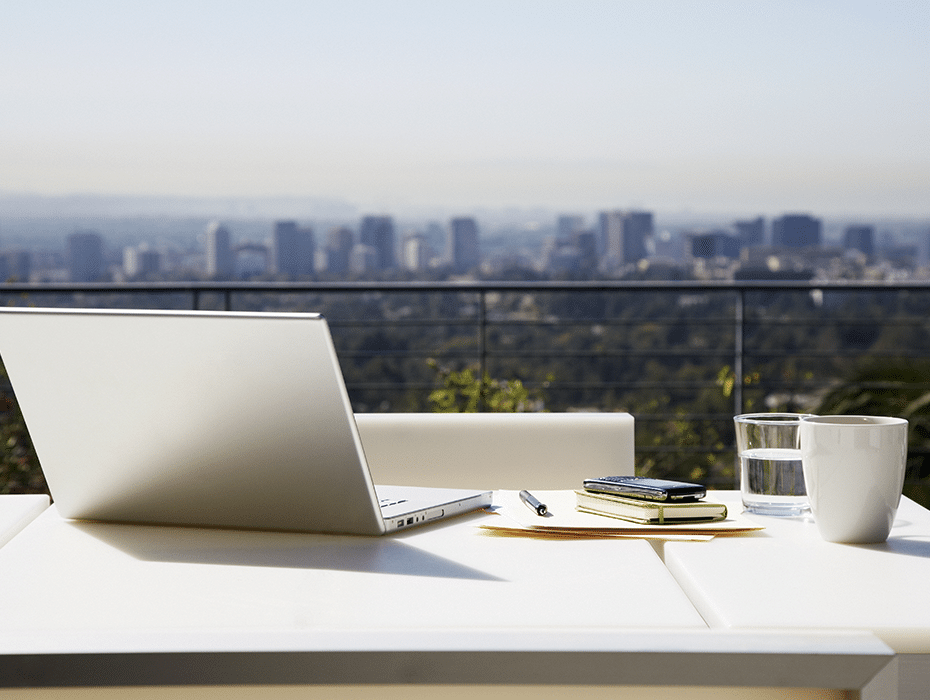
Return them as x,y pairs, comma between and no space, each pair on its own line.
532,503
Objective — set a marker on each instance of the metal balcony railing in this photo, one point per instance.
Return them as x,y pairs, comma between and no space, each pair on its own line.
683,357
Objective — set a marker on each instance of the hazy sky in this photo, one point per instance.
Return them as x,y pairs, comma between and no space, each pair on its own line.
581,104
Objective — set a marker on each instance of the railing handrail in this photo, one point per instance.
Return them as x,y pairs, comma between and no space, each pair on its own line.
219,286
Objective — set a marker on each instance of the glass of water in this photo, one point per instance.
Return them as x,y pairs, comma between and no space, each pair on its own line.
771,478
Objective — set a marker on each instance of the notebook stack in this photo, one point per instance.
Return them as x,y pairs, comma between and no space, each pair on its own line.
649,512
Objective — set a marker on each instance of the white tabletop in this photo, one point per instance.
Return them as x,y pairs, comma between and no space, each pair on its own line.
92,588
17,511
92,576
787,577
105,604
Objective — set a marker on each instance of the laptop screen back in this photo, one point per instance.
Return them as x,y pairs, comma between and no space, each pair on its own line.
197,418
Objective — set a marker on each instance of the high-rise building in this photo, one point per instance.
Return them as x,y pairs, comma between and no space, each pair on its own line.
221,260
714,244
463,244
796,231
252,259
363,259
294,249
15,266
861,238
637,230
585,242
575,254
85,256
339,242
416,251
141,261
751,233
624,235
559,257
610,230
378,233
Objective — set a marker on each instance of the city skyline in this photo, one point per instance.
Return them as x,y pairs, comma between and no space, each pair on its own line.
713,106
618,242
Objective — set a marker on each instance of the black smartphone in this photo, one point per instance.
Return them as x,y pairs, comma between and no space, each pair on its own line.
663,490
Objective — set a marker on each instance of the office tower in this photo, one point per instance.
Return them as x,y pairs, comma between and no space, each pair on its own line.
416,251
252,260
714,244
378,233
558,257
141,261
339,242
463,244
15,266
610,230
861,238
750,233
637,229
221,260
294,249
363,259
796,231
575,254
585,242
437,235
624,235
85,256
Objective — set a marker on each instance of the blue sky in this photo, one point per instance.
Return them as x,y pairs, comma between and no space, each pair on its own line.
582,104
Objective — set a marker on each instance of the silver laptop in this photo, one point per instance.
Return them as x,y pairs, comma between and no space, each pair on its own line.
202,418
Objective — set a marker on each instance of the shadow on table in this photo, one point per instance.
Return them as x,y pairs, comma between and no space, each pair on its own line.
908,546
186,545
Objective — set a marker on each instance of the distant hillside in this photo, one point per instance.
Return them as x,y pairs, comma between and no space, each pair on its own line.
93,205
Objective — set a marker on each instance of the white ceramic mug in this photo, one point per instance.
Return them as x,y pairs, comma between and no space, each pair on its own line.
854,472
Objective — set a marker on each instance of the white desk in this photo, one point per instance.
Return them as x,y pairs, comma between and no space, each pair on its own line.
786,577
444,605
17,511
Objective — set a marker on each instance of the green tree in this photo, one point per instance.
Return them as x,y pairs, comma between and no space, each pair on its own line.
892,388
19,466
463,392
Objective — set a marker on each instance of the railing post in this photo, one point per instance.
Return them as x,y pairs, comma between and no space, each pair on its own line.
482,343
738,349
